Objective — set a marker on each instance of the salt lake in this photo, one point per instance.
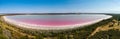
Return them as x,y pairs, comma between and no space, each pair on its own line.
55,21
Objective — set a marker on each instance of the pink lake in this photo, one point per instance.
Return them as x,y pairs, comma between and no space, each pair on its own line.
56,20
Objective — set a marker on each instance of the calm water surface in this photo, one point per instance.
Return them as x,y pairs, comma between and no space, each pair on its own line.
57,20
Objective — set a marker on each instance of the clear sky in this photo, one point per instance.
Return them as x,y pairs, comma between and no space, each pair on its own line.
39,6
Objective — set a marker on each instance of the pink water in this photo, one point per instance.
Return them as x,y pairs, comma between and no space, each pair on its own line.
55,20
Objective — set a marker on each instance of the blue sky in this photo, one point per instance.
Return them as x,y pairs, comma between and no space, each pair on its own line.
49,6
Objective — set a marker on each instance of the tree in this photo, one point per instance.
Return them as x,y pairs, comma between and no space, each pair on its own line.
39,37
24,37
